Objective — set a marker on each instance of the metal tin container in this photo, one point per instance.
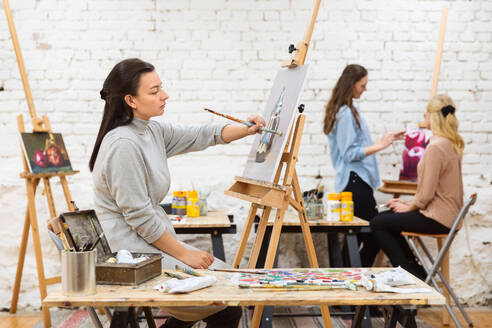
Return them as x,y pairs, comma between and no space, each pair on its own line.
128,274
79,273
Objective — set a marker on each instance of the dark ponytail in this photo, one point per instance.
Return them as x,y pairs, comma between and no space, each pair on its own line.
123,79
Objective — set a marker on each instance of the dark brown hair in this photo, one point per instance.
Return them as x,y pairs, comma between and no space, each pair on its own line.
123,79
342,94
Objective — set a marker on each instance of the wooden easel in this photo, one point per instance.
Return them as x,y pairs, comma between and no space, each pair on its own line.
396,187
279,196
32,181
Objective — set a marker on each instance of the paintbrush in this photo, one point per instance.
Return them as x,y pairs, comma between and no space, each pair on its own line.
97,241
287,288
243,122
239,271
191,272
175,275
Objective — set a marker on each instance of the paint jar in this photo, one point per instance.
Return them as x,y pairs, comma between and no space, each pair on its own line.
333,207
178,206
314,210
202,204
78,273
346,207
192,206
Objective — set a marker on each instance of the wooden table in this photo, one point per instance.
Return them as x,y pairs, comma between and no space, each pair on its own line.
224,293
214,223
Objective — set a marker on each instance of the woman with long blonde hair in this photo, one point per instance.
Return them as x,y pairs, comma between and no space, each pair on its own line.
439,195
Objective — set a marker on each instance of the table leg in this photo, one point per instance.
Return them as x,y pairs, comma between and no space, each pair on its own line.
94,318
149,317
122,317
352,249
218,245
132,318
359,314
392,317
267,317
335,253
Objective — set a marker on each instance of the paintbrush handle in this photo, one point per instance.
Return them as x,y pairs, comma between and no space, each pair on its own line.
96,242
239,271
262,128
247,123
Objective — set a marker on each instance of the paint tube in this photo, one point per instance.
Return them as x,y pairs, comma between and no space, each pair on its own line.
173,286
390,278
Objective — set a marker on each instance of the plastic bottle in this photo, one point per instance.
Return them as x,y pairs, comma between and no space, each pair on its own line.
178,206
192,207
346,207
333,207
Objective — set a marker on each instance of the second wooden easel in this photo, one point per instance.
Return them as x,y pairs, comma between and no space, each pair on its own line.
32,181
279,196
397,187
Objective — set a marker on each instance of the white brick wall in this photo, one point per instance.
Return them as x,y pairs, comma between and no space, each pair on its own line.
224,54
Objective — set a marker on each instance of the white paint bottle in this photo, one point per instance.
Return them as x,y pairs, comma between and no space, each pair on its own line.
333,207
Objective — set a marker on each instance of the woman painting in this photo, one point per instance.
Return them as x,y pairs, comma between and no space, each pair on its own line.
131,176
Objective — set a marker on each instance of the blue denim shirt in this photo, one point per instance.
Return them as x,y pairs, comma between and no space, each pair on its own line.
347,143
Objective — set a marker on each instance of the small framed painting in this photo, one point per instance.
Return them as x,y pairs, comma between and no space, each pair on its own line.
45,152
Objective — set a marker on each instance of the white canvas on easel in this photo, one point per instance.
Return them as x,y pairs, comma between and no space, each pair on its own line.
267,148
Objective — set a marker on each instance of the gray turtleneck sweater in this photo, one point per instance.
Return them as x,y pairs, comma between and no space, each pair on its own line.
131,178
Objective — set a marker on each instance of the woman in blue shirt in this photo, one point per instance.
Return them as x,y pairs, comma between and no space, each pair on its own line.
352,150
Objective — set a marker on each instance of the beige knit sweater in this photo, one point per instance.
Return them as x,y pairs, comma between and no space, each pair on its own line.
440,188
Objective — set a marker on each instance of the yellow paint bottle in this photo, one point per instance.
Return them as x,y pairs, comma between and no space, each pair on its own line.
346,207
192,207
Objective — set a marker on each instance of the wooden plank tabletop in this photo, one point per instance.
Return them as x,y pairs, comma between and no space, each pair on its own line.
214,219
223,292
292,219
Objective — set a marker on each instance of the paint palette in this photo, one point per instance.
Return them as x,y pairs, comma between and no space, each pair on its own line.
303,277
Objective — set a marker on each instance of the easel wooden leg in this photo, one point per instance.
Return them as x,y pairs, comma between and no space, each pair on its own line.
244,237
306,231
49,197
260,234
325,314
66,192
31,191
256,320
20,263
271,253
46,316
277,228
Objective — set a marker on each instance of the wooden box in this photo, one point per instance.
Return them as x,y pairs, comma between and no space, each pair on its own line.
84,226
128,274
